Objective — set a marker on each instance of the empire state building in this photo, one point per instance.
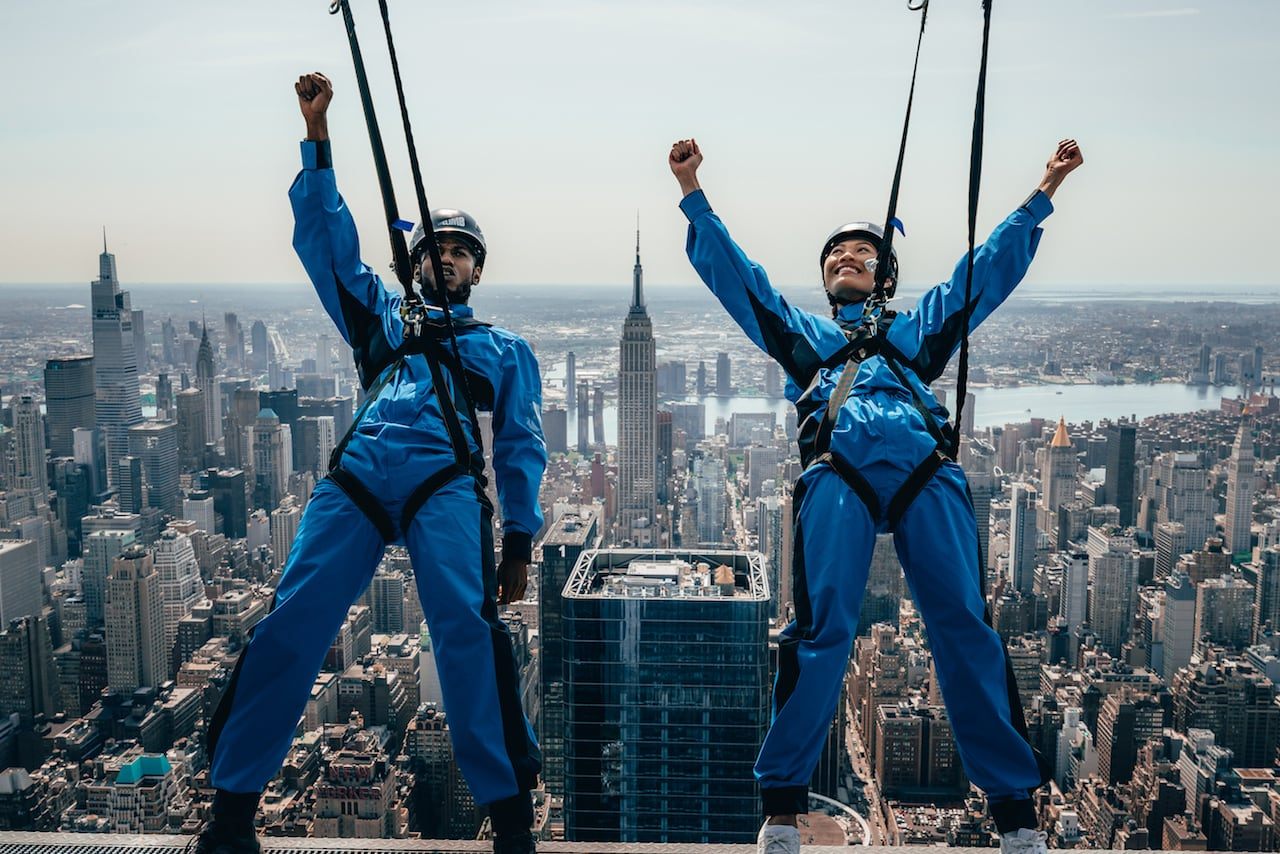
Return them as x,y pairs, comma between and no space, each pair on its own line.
637,420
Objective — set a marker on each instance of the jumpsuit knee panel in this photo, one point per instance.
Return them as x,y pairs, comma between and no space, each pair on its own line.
834,538
451,544
333,557
937,543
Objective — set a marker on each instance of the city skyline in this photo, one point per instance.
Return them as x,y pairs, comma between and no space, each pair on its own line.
1131,566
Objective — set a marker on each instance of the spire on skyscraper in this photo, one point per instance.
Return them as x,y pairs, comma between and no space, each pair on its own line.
637,275
1060,438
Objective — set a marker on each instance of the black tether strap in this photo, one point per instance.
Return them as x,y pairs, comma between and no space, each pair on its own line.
399,250
428,227
884,257
975,182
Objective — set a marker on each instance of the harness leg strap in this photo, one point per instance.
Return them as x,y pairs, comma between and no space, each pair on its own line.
855,481
366,501
429,487
911,487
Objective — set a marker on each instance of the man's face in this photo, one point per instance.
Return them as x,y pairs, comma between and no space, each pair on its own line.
845,273
460,270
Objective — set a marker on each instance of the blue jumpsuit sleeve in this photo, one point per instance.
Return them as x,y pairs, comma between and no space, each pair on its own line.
786,333
325,238
929,334
519,450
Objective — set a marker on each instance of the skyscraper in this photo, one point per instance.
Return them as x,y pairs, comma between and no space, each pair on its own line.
1181,486
272,459
192,437
131,493
638,420
659,746
26,470
135,623
1075,592
90,449
555,426
284,529
207,382
1266,607
258,336
571,381
28,678
155,443
1125,722
229,500
1059,478
1121,446
569,536
101,548
1022,538
234,340
584,415
178,573
1238,537
115,364
69,403
1224,613
978,459
1178,635
709,481
20,592
1113,582
314,437
724,377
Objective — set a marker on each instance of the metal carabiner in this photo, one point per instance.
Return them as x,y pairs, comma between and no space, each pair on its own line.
335,7
413,314
918,5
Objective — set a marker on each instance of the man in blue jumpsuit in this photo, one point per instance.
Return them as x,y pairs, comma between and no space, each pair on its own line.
877,460
402,477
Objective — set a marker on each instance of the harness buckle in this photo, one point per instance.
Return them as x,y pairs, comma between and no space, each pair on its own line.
414,315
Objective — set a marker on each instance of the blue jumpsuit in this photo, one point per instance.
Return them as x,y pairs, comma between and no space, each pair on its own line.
399,442
881,433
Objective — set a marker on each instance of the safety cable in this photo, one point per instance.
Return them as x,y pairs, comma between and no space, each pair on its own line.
975,183
399,249
884,259
428,227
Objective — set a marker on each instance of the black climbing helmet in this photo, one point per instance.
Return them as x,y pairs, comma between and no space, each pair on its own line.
450,222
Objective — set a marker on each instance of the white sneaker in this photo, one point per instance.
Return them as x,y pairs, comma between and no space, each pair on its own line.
1024,842
778,839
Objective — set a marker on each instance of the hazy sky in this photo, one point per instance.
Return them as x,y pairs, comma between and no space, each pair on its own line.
175,125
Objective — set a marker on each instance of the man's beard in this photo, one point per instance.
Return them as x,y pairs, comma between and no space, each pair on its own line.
456,297
461,295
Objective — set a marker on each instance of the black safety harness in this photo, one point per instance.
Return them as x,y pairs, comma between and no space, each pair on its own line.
424,334
864,342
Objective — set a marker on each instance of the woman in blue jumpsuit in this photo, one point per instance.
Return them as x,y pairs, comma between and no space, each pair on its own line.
875,439
400,441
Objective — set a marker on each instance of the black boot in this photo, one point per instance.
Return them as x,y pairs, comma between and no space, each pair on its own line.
211,841
514,843
511,819
230,828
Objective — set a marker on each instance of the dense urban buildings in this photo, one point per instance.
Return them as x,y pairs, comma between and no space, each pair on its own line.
1128,517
